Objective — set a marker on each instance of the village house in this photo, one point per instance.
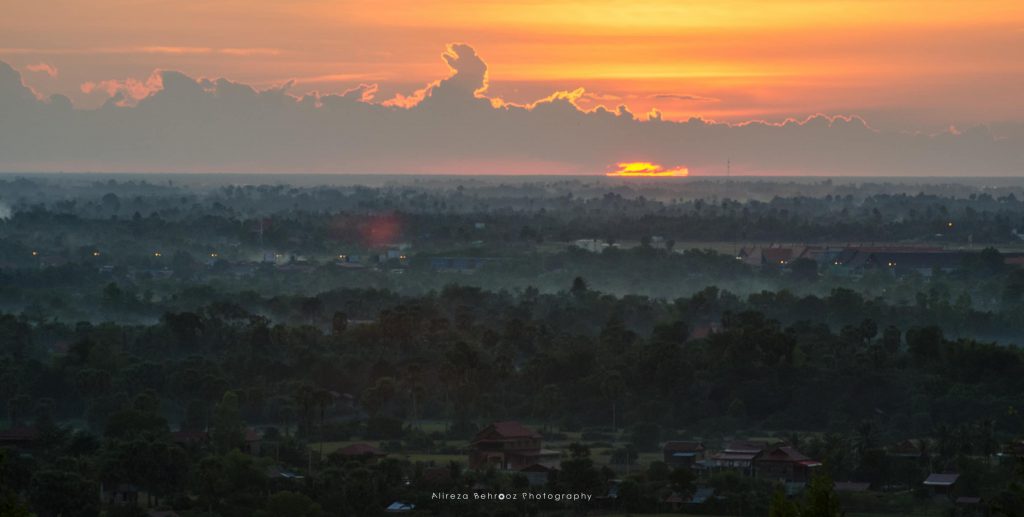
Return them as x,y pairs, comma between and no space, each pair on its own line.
683,453
190,439
703,330
536,474
771,256
19,437
1014,449
897,260
941,484
859,259
123,494
971,506
736,456
251,442
510,446
784,464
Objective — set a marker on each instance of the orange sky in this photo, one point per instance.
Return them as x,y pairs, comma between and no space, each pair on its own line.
917,65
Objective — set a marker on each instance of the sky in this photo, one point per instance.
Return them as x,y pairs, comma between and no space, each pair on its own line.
687,84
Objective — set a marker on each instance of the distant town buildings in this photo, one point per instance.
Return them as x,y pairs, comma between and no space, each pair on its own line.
859,259
593,245
459,264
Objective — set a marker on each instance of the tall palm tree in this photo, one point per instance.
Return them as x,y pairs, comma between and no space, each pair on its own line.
304,400
322,399
412,383
550,396
612,386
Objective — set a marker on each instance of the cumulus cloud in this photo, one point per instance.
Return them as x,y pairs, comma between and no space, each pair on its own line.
44,68
5,212
125,92
363,93
466,83
174,122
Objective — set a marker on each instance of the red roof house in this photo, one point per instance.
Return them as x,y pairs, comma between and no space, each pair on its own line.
19,437
785,464
509,446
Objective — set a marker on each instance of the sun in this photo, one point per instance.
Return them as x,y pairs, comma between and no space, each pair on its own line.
647,170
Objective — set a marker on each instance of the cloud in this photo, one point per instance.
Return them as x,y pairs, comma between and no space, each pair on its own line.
5,212
363,92
156,49
683,97
47,69
174,122
250,51
127,91
172,50
466,83
13,92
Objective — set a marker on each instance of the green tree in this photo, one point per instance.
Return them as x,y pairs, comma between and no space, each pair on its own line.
682,480
228,430
579,286
578,473
645,436
782,507
322,399
820,500
339,323
57,493
291,504
377,397
548,402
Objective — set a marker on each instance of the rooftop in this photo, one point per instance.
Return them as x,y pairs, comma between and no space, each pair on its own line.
509,429
359,449
941,479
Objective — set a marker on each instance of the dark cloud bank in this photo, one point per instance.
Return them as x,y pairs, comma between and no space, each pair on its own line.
450,126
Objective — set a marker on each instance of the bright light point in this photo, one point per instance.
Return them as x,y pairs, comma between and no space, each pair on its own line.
647,169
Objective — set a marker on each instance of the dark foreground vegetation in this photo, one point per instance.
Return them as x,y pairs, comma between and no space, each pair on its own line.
251,365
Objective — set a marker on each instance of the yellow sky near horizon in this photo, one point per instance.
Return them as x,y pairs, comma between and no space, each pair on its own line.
909,65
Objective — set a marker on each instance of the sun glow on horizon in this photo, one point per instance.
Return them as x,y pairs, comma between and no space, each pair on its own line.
647,170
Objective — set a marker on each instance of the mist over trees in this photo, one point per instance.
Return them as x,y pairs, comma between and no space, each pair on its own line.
332,350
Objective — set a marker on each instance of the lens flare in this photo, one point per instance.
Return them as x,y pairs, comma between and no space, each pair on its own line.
647,169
